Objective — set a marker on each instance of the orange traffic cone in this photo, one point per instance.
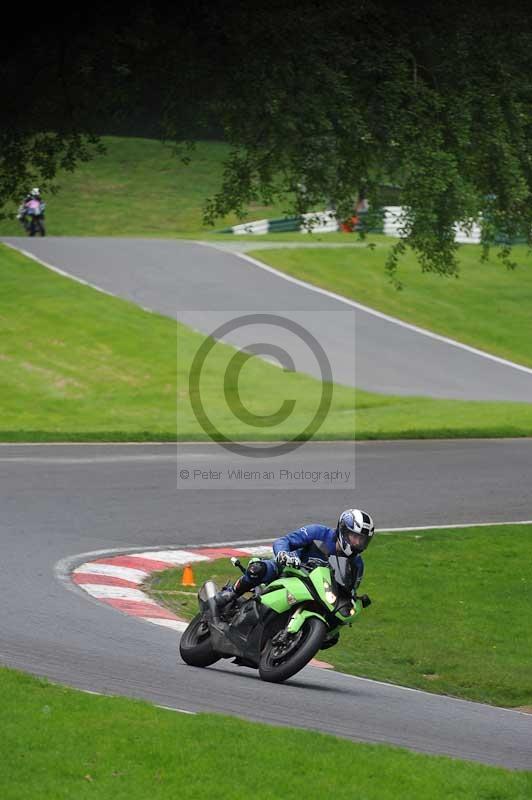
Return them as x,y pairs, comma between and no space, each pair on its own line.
188,576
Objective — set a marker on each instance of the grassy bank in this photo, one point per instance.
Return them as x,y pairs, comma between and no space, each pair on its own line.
488,306
450,614
138,188
58,743
80,365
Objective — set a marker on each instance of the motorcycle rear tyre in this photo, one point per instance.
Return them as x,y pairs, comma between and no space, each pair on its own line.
314,632
194,648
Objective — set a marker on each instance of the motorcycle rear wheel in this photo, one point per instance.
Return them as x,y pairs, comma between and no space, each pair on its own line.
275,668
195,647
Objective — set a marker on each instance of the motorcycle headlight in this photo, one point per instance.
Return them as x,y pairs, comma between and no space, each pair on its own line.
329,594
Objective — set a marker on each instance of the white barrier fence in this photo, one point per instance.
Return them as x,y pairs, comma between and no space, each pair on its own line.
468,237
392,220
319,222
258,227
393,224
326,222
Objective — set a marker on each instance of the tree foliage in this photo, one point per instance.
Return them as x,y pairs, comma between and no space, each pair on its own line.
317,101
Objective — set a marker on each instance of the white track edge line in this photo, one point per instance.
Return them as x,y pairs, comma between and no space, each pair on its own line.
111,444
64,566
314,442
123,697
379,531
434,695
422,331
75,278
379,314
456,525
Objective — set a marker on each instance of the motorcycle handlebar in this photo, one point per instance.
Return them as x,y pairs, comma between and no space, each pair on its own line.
312,563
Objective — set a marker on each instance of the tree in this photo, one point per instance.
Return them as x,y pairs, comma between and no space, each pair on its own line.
435,97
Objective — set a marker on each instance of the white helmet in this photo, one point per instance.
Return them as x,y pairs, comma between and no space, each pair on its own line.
35,192
354,531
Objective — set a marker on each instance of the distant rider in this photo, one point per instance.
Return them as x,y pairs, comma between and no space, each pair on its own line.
30,202
352,535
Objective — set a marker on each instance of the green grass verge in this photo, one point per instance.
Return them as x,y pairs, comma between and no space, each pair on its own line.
58,743
488,306
80,365
138,188
451,612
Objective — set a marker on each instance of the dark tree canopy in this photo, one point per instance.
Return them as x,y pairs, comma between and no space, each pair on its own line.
316,100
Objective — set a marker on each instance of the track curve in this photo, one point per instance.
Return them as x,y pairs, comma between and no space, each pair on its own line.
190,280
61,501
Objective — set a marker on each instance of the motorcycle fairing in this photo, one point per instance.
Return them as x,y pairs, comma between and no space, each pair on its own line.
242,635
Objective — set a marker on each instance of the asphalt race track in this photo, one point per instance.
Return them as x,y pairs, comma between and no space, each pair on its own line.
63,501
191,281
60,503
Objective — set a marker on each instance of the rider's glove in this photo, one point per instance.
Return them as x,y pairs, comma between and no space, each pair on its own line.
285,559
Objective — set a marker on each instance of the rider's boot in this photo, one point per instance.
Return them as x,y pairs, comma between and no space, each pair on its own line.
230,593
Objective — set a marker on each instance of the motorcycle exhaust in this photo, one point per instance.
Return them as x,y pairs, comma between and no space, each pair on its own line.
206,595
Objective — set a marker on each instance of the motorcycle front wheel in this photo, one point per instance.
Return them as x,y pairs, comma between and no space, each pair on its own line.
285,654
36,226
195,647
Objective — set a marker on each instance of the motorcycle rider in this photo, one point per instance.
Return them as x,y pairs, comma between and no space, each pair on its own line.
35,196
352,535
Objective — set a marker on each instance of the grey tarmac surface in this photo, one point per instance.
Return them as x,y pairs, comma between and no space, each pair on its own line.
62,501
171,275
58,502
256,243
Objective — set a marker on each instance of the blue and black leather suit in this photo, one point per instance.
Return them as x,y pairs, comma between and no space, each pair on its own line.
309,541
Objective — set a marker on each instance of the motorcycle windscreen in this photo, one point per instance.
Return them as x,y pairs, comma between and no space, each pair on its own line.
343,572
207,591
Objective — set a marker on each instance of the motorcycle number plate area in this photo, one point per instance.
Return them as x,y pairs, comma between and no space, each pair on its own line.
318,578
277,595
241,635
246,618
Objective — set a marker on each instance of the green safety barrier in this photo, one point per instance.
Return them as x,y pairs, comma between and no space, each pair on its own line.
286,224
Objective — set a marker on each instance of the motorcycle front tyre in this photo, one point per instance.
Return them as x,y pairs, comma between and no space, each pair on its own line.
36,226
195,647
276,671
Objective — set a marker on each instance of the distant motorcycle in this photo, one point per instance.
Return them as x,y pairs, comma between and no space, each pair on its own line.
31,216
283,625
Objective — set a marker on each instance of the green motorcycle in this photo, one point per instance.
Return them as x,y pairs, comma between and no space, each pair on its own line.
282,626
